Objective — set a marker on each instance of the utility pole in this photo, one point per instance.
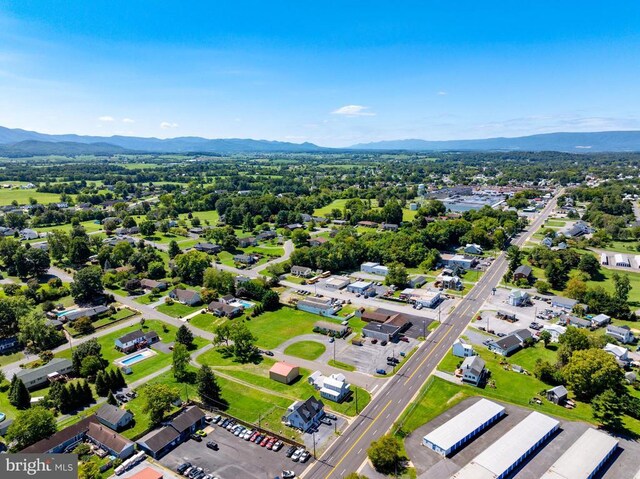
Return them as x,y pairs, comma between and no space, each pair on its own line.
424,329
314,444
356,400
334,351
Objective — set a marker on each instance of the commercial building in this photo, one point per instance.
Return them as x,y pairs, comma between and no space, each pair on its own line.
518,298
424,297
381,331
451,260
284,373
327,327
33,378
337,282
162,440
147,473
460,429
374,268
320,306
584,458
361,287
500,458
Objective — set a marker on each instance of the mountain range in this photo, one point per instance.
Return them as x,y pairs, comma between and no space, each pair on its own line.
17,142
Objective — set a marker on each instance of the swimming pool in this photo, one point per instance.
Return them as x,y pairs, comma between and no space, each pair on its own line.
136,357
243,303
64,313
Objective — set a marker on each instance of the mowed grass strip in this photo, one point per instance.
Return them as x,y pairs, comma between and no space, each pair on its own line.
306,350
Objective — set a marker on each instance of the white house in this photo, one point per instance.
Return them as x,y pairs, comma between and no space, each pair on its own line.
472,248
547,241
334,387
28,234
555,330
600,320
473,370
462,349
620,353
460,260
621,333
518,298
304,414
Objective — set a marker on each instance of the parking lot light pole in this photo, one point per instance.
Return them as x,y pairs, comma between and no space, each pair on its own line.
314,444
356,400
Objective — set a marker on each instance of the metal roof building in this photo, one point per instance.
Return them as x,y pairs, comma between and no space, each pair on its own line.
584,458
499,459
459,430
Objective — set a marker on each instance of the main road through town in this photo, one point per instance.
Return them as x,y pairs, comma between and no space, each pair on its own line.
348,452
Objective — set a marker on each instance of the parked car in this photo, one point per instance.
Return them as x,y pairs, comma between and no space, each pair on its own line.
277,446
333,417
225,422
254,436
216,419
290,451
212,445
247,434
288,474
404,339
268,353
188,471
325,421
196,438
501,335
183,467
374,341
259,438
271,442
381,371
201,433
296,455
265,441
304,457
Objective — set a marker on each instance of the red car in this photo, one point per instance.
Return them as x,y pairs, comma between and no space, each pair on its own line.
271,442
254,436
265,441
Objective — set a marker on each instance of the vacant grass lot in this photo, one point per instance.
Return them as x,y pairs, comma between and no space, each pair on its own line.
178,310
89,226
306,350
206,321
7,195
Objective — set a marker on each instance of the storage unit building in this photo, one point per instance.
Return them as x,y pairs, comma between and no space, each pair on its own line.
503,456
460,429
584,458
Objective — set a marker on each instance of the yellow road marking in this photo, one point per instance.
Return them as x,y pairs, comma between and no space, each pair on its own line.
358,440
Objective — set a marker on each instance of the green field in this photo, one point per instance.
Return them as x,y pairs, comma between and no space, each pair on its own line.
211,216
306,350
341,365
178,310
8,195
407,214
206,321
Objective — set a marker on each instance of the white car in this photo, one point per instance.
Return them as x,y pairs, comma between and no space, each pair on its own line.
296,455
288,474
247,434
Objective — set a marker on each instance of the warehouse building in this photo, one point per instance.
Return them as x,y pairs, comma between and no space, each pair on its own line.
459,430
513,448
584,458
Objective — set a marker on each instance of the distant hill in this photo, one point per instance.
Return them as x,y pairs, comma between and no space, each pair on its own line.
157,145
614,141
42,148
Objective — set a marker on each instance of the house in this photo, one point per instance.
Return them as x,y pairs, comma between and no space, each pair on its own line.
621,354
576,322
224,309
28,234
334,388
452,260
284,373
87,429
578,229
522,272
160,441
557,395
510,343
106,439
448,281
114,417
547,241
320,306
472,248
621,260
555,330
518,298
304,414
301,271
462,349
361,287
32,378
335,329
621,333
318,241
246,242
473,370
266,235
390,227
149,284
209,248
368,224
600,320
185,296
244,258
188,421
564,303
9,344
91,313
136,340
374,268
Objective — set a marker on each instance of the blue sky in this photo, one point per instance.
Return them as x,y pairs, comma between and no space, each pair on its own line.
333,72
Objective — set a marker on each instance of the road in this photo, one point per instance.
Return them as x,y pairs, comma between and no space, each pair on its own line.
348,452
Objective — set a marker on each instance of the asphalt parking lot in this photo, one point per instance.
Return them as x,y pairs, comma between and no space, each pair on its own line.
235,458
323,435
431,465
369,357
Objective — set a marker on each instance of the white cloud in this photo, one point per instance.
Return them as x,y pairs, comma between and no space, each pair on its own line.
106,118
165,125
353,110
442,93
128,120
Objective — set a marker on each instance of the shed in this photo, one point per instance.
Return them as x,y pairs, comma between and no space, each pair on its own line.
283,372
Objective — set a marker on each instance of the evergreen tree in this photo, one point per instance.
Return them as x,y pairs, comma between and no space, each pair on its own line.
112,380
20,398
122,383
87,395
184,336
74,396
66,401
55,393
12,387
208,387
111,399
102,385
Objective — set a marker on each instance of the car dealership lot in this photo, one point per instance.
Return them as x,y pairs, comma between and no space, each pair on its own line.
235,457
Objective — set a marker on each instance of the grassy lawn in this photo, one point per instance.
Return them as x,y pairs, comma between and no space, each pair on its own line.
339,204
274,327
212,216
341,365
122,314
206,321
148,298
306,350
630,247
295,279
7,195
90,226
178,310
11,358
607,283
147,366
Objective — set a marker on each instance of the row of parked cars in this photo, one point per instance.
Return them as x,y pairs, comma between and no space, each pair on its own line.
190,471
